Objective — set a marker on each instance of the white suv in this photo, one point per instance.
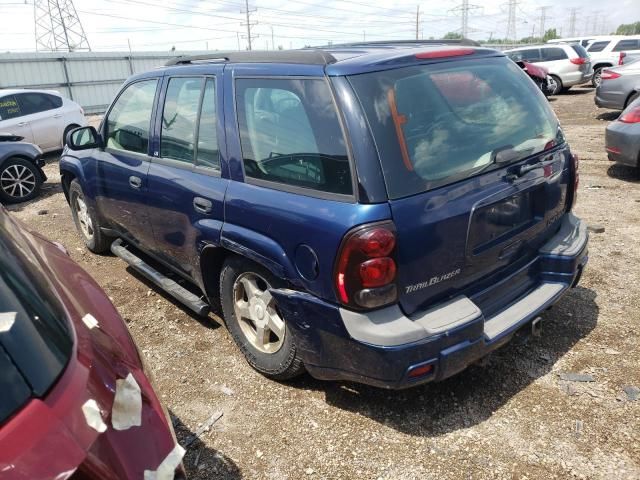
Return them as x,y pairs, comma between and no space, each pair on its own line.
567,64
611,51
42,117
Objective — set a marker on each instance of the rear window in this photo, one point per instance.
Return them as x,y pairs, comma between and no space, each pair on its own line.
552,54
579,49
623,45
291,135
598,46
35,339
438,124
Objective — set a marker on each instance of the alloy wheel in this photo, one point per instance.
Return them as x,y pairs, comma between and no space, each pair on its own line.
86,225
256,312
17,181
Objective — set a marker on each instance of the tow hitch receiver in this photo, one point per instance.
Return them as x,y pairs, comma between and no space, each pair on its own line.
536,327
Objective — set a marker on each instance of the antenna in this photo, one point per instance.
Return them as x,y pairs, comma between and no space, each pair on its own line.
58,27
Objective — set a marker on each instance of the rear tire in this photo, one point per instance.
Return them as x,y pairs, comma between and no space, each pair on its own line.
86,220
558,85
597,76
254,321
20,180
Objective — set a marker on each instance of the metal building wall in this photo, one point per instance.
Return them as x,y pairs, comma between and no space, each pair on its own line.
92,79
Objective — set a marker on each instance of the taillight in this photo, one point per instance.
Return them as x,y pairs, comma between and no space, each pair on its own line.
576,176
578,61
631,116
366,269
609,75
621,58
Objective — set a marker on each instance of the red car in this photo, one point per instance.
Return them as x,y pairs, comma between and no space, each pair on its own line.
76,401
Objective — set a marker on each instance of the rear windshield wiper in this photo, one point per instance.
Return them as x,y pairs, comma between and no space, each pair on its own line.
499,156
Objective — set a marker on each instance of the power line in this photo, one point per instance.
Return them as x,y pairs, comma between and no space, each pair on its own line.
511,21
572,23
464,9
543,18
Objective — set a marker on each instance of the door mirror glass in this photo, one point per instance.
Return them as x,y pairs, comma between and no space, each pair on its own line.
83,138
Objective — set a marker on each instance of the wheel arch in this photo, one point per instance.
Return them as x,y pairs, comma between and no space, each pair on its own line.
635,91
602,65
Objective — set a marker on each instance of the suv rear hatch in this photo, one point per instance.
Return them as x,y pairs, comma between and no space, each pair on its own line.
476,170
583,61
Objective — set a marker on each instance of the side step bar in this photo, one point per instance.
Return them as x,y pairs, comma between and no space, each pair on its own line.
181,294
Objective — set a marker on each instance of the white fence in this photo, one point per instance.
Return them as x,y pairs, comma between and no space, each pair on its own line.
91,79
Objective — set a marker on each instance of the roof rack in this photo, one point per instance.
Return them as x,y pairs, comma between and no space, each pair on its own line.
305,56
404,43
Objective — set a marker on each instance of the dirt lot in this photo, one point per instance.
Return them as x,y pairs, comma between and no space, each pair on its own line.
512,418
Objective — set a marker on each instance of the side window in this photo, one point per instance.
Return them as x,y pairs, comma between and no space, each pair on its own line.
9,108
34,103
128,122
179,118
552,54
598,46
208,154
626,45
531,55
290,134
55,100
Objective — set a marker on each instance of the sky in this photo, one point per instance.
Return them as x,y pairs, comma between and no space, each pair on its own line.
117,25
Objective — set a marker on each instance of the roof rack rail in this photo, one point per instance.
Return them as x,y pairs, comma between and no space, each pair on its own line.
392,43
304,56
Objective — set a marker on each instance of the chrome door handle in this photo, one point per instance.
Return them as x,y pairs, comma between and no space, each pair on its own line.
135,182
57,115
23,124
202,205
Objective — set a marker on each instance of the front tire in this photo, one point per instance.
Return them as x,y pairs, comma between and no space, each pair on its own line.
597,76
254,321
556,87
20,180
86,220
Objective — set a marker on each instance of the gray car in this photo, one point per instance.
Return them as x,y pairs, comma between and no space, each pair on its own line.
619,86
622,138
21,174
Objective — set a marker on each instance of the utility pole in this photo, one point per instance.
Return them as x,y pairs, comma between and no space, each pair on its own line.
511,21
464,10
273,43
572,23
248,23
417,20
543,19
238,37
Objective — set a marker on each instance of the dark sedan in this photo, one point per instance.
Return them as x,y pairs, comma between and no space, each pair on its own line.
619,86
21,172
623,137
76,400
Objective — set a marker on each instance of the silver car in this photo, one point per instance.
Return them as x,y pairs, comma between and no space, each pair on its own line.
568,64
42,117
619,86
622,139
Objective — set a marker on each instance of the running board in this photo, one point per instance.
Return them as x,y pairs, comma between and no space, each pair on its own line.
181,294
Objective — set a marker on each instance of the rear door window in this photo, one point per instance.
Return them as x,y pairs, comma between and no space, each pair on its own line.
208,152
179,118
31,103
9,108
623,45
598,46
441,123
129,120
290,134
553,54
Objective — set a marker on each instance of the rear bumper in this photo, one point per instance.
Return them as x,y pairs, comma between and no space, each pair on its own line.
381,348
622,142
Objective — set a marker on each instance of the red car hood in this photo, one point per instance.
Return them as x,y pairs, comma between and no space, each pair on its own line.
536,70
50,438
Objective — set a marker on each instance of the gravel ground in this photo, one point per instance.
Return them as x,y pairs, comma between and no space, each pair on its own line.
512,418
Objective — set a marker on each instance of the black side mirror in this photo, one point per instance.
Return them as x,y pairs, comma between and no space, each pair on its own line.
84,138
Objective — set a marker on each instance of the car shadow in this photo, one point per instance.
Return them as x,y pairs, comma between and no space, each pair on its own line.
472,396
200,461
577,91
608,116
624,172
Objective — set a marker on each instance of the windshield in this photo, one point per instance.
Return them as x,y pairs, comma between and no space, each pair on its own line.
35,341
437,124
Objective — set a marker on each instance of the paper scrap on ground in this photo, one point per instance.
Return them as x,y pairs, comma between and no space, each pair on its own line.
7,319
127,406
167,469
90,321
93,416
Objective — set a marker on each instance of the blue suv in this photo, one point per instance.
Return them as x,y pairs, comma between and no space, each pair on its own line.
382,213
